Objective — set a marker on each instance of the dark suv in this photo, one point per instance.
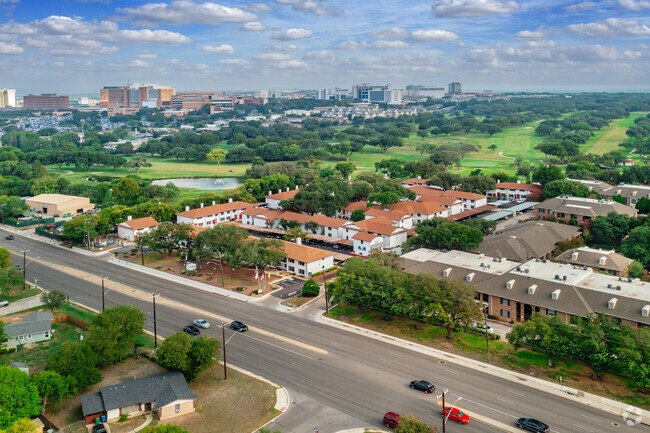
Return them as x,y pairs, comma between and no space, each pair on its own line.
533,425
99,428
391,419
192,330
238,326
423,385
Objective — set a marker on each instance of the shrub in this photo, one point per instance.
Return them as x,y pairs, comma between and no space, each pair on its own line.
240,288
492,317
123,417
310,289
134,250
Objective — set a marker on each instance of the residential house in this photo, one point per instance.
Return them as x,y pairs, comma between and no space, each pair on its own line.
426,209
527,240
364,243
515,190
132,228
398,218
514,290
580,209
32,329
167,394
470,200
273,200
209,216
393,236
631,193
605,261
305,261
346,211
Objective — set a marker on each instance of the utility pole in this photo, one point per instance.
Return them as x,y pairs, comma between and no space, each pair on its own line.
141,251
155,333
327,307
487,338
25,270
444,418
103,305
87,234
2,206
223,337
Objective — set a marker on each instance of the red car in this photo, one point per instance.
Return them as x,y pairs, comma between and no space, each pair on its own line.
455,415
391,420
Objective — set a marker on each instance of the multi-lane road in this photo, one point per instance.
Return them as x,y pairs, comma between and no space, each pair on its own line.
344,371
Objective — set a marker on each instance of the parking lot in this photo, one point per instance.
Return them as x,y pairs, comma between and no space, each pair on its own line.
290,287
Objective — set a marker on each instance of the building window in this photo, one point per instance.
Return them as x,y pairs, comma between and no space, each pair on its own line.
505,302
177,408
505,313
550,312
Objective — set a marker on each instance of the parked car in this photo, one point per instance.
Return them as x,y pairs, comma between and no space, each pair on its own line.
192,330
483,328
4,303
9,237
238,326
391,419
455,414
99,428
202,323
533,425
423,385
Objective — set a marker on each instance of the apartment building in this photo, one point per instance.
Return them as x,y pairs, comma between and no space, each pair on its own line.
46,100
631,193
305,261
209,216
131,229
515,190
580,209
273,200
604,261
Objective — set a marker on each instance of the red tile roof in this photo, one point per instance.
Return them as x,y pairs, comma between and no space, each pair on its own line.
415,181
520,186
372,226
421,207
363,205
363,236
215,209
284,195
139,223
395,215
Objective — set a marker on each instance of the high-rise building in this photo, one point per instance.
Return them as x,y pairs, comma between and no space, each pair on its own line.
134,97
360,91
378,96
46,100
455,87
422,91
333,94
7,98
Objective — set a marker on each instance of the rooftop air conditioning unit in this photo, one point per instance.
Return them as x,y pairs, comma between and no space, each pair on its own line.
609,286
518,268
482,265
618,287
526,270
564,278
629,280
557,277
543,260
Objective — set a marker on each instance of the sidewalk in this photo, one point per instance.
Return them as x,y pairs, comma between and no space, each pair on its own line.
20,305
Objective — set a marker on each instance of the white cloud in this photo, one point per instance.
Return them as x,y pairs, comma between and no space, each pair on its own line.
390,33
145,36
292,34
312,7
433,36
377,45
187,12
540,33
580,7
611,27
323,55
284,48
634,5
253,26
349,46
538,44
139,64
221,49
147,55
239,63
388,45
473,8
272,57
10,48
258,8
291,64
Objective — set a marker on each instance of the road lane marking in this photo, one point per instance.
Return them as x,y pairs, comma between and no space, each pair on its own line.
280,347
143,295
506,401
515,392
237,354
452,372
483,419
491,408
396,354
584,428
593,419
297,365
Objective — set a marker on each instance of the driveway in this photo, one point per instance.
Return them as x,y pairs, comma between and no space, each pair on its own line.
290,287
20,305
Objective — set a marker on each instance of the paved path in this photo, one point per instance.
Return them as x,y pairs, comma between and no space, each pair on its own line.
21,305
143,425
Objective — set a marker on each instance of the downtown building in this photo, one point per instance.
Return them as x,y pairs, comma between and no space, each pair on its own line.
135,97
7,98
46,100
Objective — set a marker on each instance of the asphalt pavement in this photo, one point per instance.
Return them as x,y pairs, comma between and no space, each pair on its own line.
338,373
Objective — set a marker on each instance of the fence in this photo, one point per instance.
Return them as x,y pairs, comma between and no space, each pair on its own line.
15,223
42,232
68,318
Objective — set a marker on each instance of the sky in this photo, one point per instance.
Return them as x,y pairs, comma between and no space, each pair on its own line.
78,46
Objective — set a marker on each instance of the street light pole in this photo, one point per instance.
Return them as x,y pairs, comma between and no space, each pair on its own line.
223,337
25,270
327,307
103,305
444,418
487,338
155,332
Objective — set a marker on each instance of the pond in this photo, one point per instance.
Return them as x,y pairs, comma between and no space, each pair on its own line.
207,183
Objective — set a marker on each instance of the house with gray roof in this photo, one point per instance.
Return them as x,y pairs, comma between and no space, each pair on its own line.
582,210
20,366
32,329
631,193
167,394
527,240
605,261
514,291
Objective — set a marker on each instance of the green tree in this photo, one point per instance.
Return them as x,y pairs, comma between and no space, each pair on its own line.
637,245
22,425
126,191
636,269
492,147
167,237
643,205
52,387
18,396
12,206
5,258
113,332
137,163
440,233
221,242
619,199
544,333
547,173
310,289
173,352
53,299
3,336
358,215
345,168
203,355
457,304
261,253
217,155
560,187
410,424
77,362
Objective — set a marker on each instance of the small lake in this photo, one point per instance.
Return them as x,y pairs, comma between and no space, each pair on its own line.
207,183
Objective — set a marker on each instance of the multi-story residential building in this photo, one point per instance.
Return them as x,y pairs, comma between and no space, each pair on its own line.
604,261
398,218
7,98
455,88
305,261
470,200
364,243
422,210
631,193
209,216
415,181
513,291
46,100
346,211
273,200
515,190
134,97
580,209
393,237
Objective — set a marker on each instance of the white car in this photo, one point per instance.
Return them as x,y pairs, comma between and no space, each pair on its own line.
4,303
480,327
202,323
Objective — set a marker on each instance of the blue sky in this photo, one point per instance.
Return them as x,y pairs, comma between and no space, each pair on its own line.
77,46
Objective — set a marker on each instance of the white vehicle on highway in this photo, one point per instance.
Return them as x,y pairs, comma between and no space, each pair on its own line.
202,323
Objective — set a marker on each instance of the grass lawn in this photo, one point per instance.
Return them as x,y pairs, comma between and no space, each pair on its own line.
16,293
296,301
502,354
609,137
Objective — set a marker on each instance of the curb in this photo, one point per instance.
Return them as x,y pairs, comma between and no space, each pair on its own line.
601,403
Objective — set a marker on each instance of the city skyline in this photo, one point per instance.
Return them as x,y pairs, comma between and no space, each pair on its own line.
76,47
